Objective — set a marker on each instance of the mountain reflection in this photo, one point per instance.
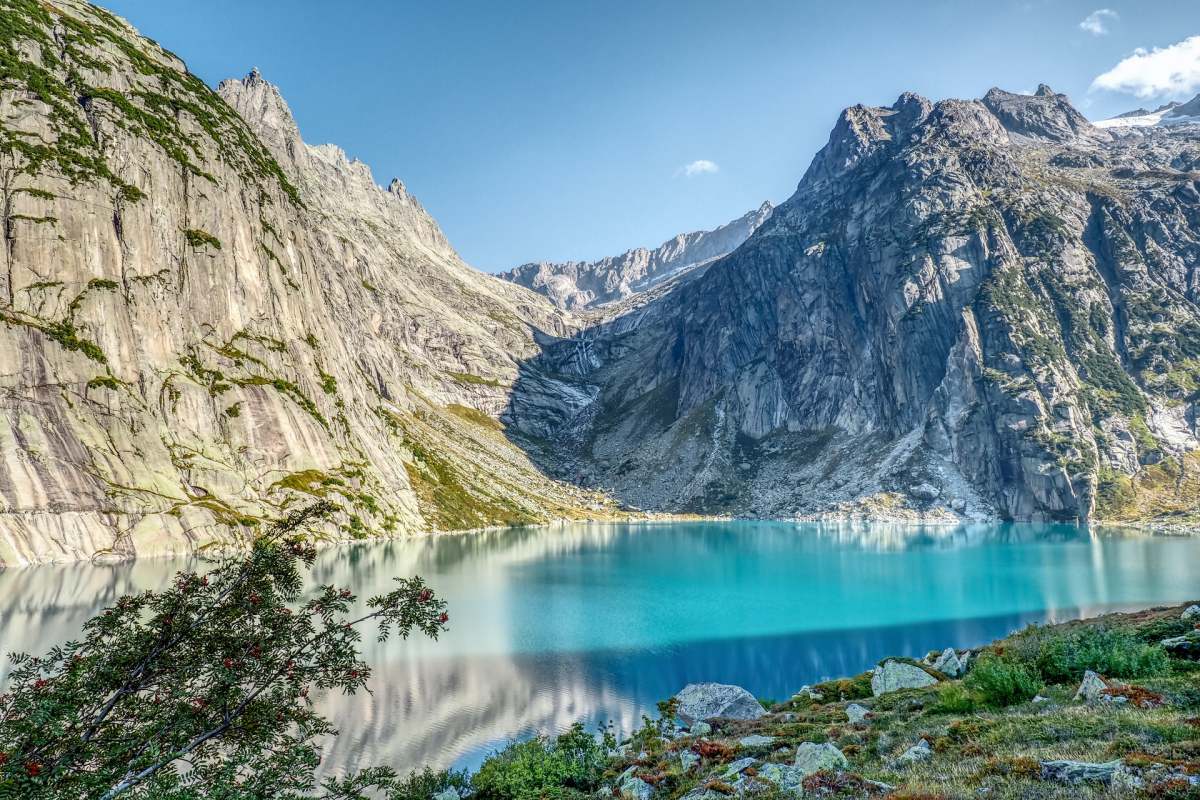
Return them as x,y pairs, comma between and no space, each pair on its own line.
598,622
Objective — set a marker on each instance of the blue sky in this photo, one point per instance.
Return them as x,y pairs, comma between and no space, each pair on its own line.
563,129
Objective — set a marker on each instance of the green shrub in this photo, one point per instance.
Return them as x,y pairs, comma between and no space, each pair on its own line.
996,681
425,784
954,698
569,765
1064,657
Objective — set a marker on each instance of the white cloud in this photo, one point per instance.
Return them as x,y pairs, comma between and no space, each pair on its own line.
1172,70
698,167
1096,23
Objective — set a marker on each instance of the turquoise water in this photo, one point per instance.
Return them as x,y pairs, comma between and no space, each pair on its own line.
597,622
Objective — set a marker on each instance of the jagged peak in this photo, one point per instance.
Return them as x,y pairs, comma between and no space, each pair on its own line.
260,103
1045,115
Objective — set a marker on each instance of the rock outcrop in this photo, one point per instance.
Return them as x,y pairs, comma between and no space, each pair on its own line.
704,701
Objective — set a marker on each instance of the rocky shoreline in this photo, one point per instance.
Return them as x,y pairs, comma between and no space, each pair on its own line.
1098,708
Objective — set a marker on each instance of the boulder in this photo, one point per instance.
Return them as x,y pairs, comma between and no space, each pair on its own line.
631,787
688,760
1080,771
756,740
856,713
892,675
948,663
812,758
921,751
1191,612
1186,646
700,729
789,779
735,768
1091,689
702,701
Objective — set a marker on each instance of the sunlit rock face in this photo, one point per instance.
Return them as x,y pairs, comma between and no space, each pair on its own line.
968,308
207,321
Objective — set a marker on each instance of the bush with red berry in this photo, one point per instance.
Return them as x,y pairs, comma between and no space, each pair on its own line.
204,689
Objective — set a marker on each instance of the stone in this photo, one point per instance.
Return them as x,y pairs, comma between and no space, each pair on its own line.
1037,698
1186,646
756,740
688,760
1080,771
856,713
921,751
736,767
631,787
948,663
892,675
1091,689
812,758
700,728
704,701
788,778
1191,612
925,491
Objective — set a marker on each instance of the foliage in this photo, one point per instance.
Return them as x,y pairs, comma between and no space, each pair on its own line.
197,238
996,682
1062,656
425,784
566,766
202,690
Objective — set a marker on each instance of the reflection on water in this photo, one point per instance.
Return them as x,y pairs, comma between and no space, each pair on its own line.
597,622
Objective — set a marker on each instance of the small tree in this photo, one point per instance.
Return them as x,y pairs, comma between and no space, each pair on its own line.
203,690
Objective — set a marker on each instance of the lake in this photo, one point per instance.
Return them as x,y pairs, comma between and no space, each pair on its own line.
597,622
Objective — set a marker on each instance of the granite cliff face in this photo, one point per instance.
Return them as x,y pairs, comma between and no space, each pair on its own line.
583,284
207,321
968,307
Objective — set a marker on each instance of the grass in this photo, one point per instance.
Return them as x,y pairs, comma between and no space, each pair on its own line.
988,738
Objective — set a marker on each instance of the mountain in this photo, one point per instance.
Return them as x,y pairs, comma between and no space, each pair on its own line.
968,309
207,321
1169,114
984,308
581,284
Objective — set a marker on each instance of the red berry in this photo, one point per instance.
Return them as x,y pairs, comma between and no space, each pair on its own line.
33,768
425,596
444,618
228,663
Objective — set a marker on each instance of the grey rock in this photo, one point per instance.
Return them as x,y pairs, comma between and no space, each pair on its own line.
892,675
1191,612
921,751
787,778
1185,646
703,701
631,787
812,758
700,728
948,663
1091,688
688,760
925,491
1080,771
756,740
737,767
857,713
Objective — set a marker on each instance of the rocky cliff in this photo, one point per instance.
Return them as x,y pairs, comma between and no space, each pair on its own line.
207,321
582,284
968,307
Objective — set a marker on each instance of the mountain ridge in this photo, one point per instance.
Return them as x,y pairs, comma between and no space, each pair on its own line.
576,285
